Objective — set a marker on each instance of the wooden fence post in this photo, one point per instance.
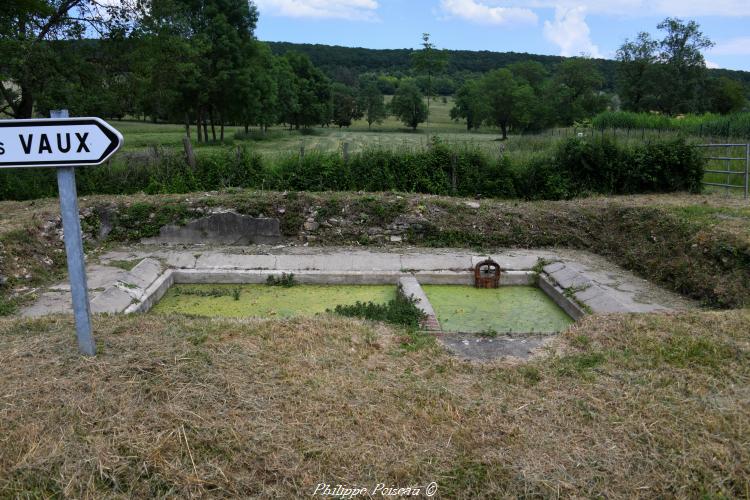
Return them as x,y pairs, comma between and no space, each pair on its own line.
189,153
454,167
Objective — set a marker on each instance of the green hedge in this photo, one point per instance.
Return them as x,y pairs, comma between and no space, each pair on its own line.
577,167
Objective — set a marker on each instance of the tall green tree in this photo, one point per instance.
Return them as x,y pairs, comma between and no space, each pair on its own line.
667,75
208,46
429,61
33,55
682,57
470,104
372,103
408,104
532,72
575,90
264,102
313,92
287,87
638,74
509,102
345,105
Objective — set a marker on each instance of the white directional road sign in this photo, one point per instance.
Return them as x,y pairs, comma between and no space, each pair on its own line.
64,143
56,142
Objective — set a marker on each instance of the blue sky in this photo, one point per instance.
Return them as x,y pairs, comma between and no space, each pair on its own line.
558,27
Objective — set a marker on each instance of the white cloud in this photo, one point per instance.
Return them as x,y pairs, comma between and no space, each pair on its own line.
712,65
739,46
570,32
354,10
640,8
482,13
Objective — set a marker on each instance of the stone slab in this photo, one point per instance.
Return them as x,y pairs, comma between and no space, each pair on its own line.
145,273
49,303
344,261
570,278
411,288
472,347
111,300
224,228
97,276
422,262
213,260
180,260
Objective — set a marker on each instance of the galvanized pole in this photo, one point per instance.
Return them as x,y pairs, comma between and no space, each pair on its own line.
66,184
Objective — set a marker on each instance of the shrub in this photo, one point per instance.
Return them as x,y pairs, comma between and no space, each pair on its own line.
601,166
400,311
285,280
539,179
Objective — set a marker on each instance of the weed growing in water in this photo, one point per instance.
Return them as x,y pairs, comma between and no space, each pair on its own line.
212,292
400,311
285,280
489,333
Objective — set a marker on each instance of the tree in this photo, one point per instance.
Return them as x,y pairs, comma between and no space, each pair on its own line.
470,105
637,74
408,104
429,61
345,105
667,75
684,64
726,95
198,54
372,103
574,90
266,85
532,72
30,60
509,102
313,92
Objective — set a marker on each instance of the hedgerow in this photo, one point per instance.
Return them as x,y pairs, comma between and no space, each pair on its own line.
577,167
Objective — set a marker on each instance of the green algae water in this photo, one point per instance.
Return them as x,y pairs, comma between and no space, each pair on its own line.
267,301
519,309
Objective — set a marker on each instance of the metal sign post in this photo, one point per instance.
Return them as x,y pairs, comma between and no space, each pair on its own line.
63,143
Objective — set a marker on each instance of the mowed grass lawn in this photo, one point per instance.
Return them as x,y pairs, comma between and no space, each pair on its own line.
621,406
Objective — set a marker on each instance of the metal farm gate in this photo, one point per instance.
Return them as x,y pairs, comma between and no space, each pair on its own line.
728,166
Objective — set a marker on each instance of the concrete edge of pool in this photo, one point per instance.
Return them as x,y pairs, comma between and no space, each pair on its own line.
577,282
410,284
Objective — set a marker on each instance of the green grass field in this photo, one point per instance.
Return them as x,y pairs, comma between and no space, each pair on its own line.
390,133
393,135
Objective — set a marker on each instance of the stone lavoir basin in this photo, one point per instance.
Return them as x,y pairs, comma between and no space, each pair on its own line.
507,309
535,287
263,301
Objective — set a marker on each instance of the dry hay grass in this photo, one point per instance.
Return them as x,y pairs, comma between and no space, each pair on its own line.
623,406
